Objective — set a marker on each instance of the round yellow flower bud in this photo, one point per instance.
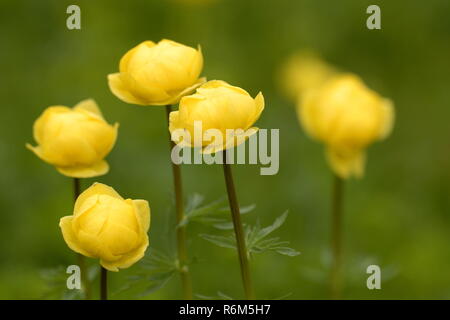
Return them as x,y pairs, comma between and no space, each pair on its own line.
157,74
303,71
107,227
230,110
346,116
75,141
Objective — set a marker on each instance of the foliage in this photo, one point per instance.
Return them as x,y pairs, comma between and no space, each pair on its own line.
257,239
214,213
55,280
154,271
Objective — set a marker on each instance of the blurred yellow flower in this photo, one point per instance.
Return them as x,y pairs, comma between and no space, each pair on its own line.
157,74
107,227
228,110
303,71
76,140
346,116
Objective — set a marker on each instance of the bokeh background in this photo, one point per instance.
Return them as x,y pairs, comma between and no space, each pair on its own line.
397,216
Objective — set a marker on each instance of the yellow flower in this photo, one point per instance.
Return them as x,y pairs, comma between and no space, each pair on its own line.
346,116
107,227
230,110
157,74
303,71
75,141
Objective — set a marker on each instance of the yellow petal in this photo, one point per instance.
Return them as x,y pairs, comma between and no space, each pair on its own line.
94,246
308,115
101,137
114,139
40,123
387,119
176,97
88,219
97,169
174,118
69,236
303,71
118,238
346,164
127,260
171,42
142,210
119,88
211,84
196,66
259,103
96,189
89,105
123,66
36,150
214,84
231,142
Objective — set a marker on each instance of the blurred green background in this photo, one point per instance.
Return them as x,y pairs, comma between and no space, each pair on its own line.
397,216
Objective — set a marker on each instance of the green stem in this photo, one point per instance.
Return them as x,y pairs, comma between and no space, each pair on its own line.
186,282
238,230
336,239
103,283
80,258
76,189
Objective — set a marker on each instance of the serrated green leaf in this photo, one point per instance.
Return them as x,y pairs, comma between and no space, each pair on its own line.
257,241
223,296
283,296
256,238
287,251
153,272
161,276
56,285
220,296
152,288
275,225
223,225
221,241
242,210
196,213
194,201
93,272
209,213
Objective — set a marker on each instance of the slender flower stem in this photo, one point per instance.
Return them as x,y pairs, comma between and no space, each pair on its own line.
336,239
76,188
238,230
186,282
103,283
80,258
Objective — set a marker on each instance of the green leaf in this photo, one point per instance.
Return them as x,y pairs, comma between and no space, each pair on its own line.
223,296
194,202
257,241
283,297
156,283
216,213
221,241
275,225
220,296
55,280
255,236
93,272
242,210
153,273
223,225
287,251
194,212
